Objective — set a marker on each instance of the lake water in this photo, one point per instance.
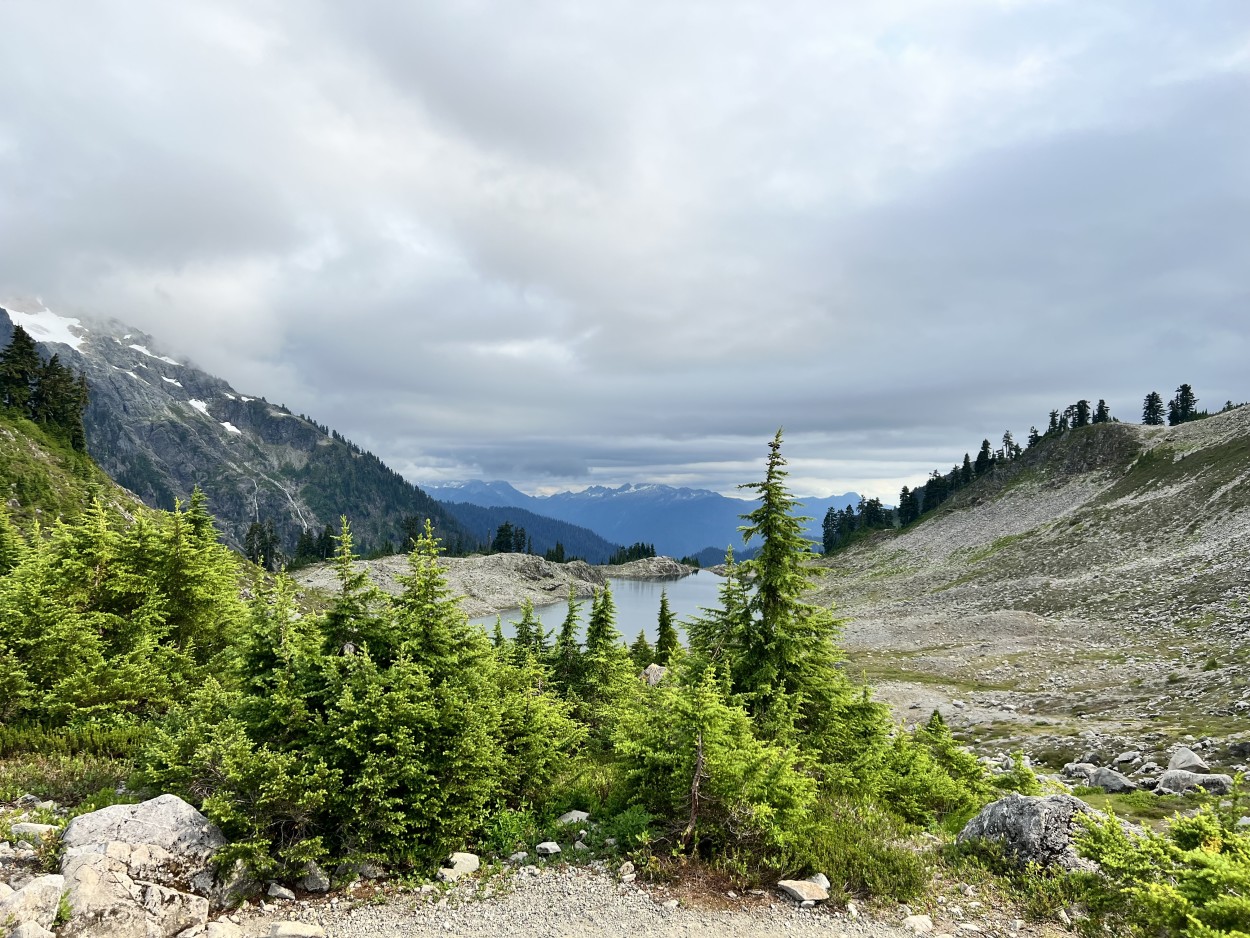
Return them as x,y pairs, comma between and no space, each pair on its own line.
637,605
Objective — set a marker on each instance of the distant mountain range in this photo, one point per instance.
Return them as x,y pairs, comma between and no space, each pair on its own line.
678,521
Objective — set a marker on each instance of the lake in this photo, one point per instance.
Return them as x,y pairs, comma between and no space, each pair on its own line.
637,605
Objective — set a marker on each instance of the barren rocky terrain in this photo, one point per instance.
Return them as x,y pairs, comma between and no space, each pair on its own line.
1093,595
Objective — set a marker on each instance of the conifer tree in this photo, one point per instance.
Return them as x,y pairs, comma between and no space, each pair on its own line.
984,459
528,637
1080,414
1034,437
640,651
666,642
566,654
1183,407
786,665
1102,414
20,368
1152,410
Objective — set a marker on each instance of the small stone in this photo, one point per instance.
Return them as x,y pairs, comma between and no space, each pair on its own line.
807,904
670,905
296,930
573,817
801,890
629,877
30,930
519,857
626,868
1186,760
548,848
278,891
968,927
820,879
852,910
918,924
580,846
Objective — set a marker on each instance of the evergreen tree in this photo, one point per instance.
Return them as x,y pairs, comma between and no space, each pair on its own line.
1183,407
1102,414
829,528
1053,426
1080,414
640,651
1034,437
528,635
667,644
786,666
20,368
566,654
1009,445
984,459
966,472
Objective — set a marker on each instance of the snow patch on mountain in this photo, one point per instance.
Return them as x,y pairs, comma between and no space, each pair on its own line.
201,406
47,326
231,428
172,380
150,354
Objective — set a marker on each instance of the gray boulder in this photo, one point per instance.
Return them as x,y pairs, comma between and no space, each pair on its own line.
573,817
1179,781
1081,770
1186,760
1111,781
803,890
32,833
548,848
314,879
653,673
163,840
35,902
458,865
1031,829
105,900
31,930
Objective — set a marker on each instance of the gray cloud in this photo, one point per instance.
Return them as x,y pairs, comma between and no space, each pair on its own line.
620,243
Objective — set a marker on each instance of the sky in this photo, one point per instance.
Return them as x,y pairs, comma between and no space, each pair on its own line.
568,244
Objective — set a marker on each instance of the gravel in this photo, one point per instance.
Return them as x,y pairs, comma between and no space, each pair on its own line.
585,901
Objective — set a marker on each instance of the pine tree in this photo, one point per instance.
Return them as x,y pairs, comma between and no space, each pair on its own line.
566,654
966,473
528,637
785,668
667,644
1080,414
1183,407
640,651
20,368
1102,414
1053,426
829,529
984,459
1034,437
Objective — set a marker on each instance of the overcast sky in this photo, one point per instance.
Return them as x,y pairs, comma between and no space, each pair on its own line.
573,243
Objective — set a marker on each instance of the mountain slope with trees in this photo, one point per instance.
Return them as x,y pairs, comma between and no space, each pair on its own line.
162,427
557,540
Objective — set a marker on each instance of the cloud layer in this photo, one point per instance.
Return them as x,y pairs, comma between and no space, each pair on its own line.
619,242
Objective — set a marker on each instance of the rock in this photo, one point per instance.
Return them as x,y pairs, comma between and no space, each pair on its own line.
1031,829
626,868
278,891
5,890
1081,770
35,902
1186,760
580,846
314,879
652,674
163,840
31,930
573,817
1111,781
1125,757
458,865
670,904
820,879
105,900
223,929
801,890
32,833
296,930
918,924
548,848
1179,781
519,857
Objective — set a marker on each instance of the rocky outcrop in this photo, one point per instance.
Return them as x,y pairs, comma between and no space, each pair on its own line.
36,902
1031,830
141,871
497,582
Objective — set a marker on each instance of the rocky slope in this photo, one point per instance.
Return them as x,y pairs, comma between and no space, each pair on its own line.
160,427
1093,593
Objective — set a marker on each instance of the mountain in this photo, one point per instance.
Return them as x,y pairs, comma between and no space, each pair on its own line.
1094,589
678,521
543,533
160,427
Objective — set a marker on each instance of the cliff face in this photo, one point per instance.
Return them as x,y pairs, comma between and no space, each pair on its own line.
160,427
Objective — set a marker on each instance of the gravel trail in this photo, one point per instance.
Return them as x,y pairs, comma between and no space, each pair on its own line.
577,902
